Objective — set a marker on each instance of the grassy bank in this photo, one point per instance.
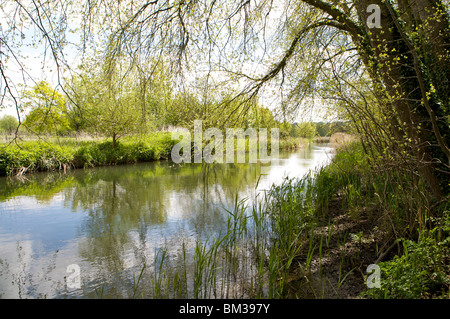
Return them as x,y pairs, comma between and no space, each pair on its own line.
32,156
65,153
294,143
334,223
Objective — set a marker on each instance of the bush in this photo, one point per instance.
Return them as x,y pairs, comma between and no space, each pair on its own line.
8,124
422,271
34,156
143,152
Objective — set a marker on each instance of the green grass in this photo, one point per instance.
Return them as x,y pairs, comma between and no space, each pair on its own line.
32,156
394,201
55,154
422,270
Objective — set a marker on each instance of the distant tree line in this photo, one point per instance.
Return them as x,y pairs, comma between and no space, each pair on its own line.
8,124
99,106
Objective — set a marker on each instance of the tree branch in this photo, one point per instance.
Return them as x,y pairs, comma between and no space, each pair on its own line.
343,20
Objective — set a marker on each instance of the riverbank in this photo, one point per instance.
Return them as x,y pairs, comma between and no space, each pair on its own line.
17,159
20,158
312,237
317,236
332,226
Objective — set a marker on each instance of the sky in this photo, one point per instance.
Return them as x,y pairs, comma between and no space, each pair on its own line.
39,65
29,47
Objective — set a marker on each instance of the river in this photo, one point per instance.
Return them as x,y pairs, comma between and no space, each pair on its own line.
70,235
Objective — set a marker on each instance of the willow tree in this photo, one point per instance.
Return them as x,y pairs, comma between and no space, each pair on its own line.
408,58
47,110
401,46
108,98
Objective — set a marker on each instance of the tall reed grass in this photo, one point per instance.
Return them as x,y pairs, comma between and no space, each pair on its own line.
276,245
254,255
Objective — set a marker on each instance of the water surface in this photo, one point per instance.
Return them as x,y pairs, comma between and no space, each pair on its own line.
111,220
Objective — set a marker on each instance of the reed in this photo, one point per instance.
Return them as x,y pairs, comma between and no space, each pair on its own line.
266,239
253,256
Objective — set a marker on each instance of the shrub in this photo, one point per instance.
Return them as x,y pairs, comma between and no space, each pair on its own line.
422,271
34,156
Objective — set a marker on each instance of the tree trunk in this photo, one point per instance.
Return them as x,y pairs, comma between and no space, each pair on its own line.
395,69
114,137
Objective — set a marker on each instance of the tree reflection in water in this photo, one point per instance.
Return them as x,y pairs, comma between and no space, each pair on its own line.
113,220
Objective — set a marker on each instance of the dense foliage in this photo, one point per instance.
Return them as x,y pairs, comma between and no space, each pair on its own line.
35,156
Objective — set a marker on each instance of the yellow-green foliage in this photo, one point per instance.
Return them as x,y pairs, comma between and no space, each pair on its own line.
42,156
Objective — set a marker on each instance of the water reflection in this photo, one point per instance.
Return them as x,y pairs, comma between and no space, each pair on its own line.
112,220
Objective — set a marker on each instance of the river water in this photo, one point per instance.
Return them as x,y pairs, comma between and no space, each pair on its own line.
70,235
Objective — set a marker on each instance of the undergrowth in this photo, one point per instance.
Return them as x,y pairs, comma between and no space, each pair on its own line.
393,222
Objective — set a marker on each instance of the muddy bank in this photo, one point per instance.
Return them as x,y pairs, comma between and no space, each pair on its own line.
345,245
